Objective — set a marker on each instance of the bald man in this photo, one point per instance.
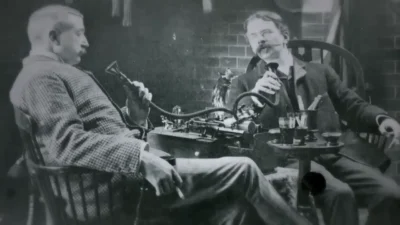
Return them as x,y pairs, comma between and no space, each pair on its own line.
79,125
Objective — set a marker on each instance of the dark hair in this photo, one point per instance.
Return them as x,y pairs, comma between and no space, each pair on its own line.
269,16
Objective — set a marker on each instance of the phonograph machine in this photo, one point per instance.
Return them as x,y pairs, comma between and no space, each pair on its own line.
213,132
206,134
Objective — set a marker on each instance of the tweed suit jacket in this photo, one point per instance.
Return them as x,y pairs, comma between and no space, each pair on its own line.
78,125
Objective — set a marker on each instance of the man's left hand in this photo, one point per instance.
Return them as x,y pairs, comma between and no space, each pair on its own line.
137,102
391,128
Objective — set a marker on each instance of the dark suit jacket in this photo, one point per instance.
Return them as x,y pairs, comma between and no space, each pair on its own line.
312,79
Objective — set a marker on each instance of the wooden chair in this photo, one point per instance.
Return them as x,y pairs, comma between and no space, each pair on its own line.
350,70
56,182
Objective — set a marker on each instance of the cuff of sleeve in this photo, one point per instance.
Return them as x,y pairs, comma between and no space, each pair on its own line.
379,118
130,122
134,152
143,146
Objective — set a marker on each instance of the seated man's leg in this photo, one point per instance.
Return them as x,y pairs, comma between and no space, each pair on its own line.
206,179
337,202
380,192
226,210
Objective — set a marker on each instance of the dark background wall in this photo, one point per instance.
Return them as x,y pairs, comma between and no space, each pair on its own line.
183,70
377,37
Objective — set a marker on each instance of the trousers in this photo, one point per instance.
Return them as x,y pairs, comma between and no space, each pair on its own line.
348,182
219,191
231,188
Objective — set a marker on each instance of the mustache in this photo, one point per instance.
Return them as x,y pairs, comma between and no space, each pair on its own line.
265,45
83,51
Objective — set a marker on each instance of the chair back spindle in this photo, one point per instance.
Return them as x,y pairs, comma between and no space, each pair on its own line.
67,190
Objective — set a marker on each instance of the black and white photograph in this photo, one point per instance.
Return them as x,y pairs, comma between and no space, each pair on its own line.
200,112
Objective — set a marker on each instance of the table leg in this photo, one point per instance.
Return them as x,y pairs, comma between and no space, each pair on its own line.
304,205
303,195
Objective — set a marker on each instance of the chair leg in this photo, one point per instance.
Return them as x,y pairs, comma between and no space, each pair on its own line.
42,209
31,208
48,216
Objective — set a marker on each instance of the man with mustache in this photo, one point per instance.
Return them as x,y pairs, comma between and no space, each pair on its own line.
78,124
268,36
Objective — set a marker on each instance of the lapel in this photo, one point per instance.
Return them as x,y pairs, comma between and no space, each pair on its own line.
105,92
298,69
298,72
306,84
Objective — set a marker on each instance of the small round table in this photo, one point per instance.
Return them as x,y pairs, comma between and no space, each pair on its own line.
305,153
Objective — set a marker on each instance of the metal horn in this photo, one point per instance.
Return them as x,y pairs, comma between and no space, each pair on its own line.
113,69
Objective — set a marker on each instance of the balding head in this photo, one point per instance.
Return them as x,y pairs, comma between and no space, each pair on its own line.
58,29
47,19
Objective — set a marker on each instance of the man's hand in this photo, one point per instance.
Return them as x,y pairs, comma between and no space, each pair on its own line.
391,128
137,102
267,84
159,173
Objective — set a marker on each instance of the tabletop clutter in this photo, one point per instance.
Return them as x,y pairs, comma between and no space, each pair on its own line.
297,128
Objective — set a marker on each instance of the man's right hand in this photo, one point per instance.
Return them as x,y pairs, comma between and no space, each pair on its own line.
267,84
159,173
137,102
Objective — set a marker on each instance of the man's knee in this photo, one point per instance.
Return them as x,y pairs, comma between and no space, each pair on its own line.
244,163
246,176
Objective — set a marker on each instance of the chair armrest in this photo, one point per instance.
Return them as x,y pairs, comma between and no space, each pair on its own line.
35,169
56,170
